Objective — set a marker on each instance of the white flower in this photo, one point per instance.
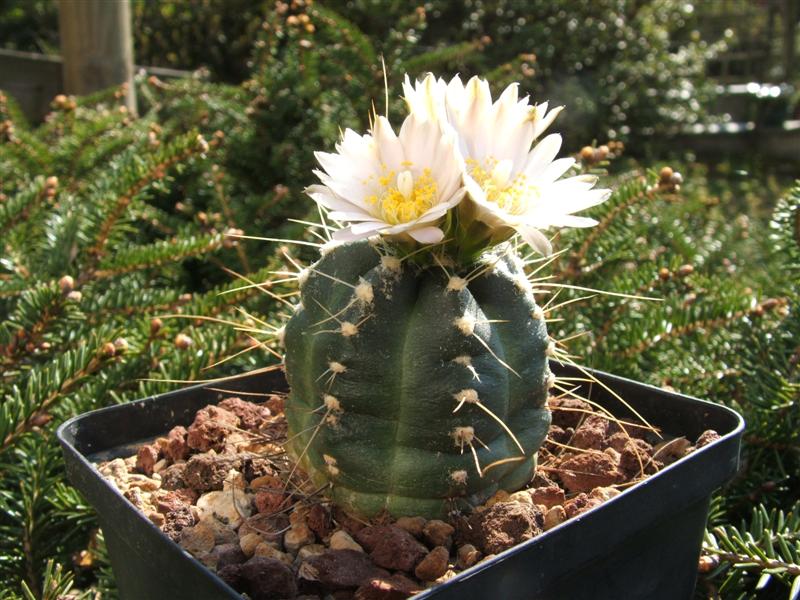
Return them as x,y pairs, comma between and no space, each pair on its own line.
509,184
388,184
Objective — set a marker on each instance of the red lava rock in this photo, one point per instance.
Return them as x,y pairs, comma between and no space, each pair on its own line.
175,447
580,503
706,438
228,554
172,477
635,455
320,520
251,415
568,412
255,466
340,569
232,575
211,426
584,472
170,501
591,433
269,527
391,547
395,587
206,472
146,458
504,525
269,502
265,578
350,524
176,520
549,496
559,435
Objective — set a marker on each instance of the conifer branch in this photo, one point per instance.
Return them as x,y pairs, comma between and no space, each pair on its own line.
705,324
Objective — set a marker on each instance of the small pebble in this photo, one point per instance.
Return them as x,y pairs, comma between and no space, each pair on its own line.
434,565
413,525
555,516
249,542
468,555
341,540
298,536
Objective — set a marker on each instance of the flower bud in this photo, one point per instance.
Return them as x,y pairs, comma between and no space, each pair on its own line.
183,341
67,284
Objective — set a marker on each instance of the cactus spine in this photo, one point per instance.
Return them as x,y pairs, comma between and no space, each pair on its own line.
416,389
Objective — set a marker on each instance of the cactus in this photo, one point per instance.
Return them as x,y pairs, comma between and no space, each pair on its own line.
416,388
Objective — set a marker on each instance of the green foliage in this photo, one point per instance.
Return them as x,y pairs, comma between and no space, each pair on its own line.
722,323
109,225
134,210
415,390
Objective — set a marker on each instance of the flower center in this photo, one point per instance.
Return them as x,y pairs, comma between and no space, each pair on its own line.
404,199
512,195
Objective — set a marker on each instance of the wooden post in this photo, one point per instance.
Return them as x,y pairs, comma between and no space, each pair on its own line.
96,46
790,15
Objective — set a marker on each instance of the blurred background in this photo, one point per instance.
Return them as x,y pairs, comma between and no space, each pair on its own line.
135,135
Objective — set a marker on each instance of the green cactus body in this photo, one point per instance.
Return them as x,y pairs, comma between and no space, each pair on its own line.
379,356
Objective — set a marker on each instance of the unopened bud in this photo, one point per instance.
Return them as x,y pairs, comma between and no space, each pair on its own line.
665,175
67,284
183,341
663,273
108,350
685,270
121,345
587,154
155,325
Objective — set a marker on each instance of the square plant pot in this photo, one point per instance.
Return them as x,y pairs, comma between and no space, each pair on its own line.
644,543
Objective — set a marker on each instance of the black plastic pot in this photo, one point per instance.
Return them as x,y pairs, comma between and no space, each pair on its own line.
644,543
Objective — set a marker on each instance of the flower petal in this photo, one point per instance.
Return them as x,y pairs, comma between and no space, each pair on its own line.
427,235
535,239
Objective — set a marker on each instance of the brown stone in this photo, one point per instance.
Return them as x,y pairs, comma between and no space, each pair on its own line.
568,412
175,447
198,538
591,433
251,415
175,521
549,496
265,578
228,554
395,587
434,565
172,478
504,525
706,438
320,520
350,524
468,555
340,569
413,525
269,502
210,428
584,472
391,547
438,533
579,504
146,458
207,472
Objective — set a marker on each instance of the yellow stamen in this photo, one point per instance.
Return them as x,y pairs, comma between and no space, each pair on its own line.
405,198
512,195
